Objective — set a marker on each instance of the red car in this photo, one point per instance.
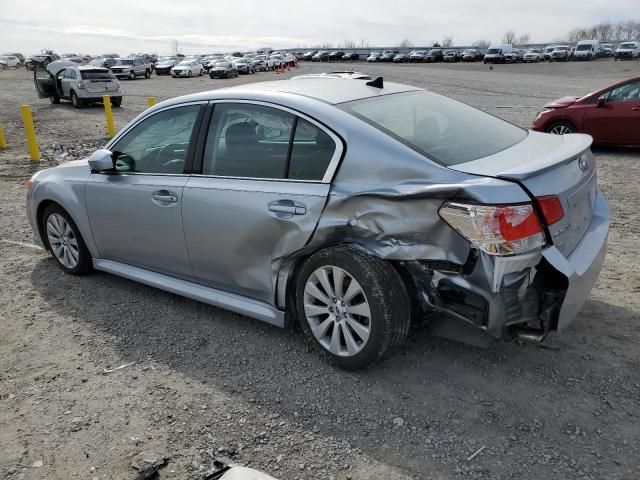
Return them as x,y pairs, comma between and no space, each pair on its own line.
610,115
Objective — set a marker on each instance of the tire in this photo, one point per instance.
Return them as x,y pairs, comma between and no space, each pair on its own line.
561,127
55,220
55,100
75,101
190,74
147,74
381,300
132,75
116,102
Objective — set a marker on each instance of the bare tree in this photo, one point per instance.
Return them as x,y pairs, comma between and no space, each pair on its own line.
523,39
175,47
349,44
364,43
482,43
509,37
604,30
406,43
436,44
447,41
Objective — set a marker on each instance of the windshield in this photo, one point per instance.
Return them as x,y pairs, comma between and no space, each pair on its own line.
186,63
533,50
583,47
96,75
561,49
627,45
124,62
432,124
223,65
493,51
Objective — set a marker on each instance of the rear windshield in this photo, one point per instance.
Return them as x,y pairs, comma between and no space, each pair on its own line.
96,75
442,129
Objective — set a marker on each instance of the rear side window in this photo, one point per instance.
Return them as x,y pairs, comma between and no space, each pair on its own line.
256,141
441,129
96,75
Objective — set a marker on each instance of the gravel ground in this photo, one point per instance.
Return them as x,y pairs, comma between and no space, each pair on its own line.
207,382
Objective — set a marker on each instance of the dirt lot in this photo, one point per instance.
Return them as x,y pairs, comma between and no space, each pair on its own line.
207,382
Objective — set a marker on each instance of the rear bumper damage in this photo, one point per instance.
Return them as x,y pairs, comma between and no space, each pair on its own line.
523,296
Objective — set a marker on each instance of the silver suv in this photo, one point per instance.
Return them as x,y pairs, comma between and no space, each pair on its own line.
131,68
81,85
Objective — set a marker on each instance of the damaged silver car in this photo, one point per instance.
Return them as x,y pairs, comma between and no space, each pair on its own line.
352,208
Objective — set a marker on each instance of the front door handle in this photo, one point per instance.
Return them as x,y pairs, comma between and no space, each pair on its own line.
636,109
164,196
287,208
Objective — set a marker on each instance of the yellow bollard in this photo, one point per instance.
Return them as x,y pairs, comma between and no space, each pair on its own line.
3,139
111,130
30,132
151,101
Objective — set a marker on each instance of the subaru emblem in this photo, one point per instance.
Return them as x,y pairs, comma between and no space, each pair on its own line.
583,164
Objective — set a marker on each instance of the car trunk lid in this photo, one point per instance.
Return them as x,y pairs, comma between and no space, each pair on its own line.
546,165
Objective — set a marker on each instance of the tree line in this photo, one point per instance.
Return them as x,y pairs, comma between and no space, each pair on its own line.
620,31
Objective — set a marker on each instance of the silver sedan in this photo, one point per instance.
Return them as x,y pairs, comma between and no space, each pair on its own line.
351,207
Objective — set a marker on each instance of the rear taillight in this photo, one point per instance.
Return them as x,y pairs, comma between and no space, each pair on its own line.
81,85
551,209
496,229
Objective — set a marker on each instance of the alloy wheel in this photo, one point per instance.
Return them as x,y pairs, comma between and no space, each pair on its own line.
337,311
560,130
63,241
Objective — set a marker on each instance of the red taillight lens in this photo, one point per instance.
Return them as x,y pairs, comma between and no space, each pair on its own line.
518,222
551,209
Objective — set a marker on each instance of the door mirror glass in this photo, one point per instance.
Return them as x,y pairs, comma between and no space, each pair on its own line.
601,100
101,160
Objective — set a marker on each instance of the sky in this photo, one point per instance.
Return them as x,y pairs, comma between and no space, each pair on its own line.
106,26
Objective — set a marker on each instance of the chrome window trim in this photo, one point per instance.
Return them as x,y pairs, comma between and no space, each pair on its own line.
333,163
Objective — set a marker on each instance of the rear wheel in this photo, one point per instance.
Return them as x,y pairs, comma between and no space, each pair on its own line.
63,239
75,101
561,128
116,102
353,306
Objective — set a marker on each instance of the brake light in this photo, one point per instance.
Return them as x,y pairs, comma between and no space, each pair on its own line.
551,209
496,229
81,85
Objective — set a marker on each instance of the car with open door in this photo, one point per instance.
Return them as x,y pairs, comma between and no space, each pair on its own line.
351,207
610,115
82,85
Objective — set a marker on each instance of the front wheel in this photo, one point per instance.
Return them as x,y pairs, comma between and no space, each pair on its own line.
147,74
55,100
64,241
190,74
561,128
353,306
132,75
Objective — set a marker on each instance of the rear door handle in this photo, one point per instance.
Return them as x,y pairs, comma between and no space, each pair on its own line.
164,196
287,208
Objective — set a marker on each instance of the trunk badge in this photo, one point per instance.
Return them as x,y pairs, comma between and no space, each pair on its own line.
583,164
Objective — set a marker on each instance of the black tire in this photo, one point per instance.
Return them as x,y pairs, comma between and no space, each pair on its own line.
116,102
84,265
385,292
55,100
132,75
147,74
75,101
561,124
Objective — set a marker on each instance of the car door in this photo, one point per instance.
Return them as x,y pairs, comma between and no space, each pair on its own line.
263,182
615,115
66,81
135,211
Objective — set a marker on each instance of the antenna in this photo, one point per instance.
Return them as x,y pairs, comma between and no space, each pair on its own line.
377,83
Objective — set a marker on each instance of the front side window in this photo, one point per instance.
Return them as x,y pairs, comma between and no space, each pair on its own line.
625,93
441,129
158,144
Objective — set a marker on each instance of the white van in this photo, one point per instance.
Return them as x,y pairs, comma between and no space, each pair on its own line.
496,53
587,50
628,50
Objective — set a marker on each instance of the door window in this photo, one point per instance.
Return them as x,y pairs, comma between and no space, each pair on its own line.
255,141
311,152
250,141
158,144
628,92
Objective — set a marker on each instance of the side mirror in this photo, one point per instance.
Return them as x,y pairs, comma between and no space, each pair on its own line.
101,160
600,101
